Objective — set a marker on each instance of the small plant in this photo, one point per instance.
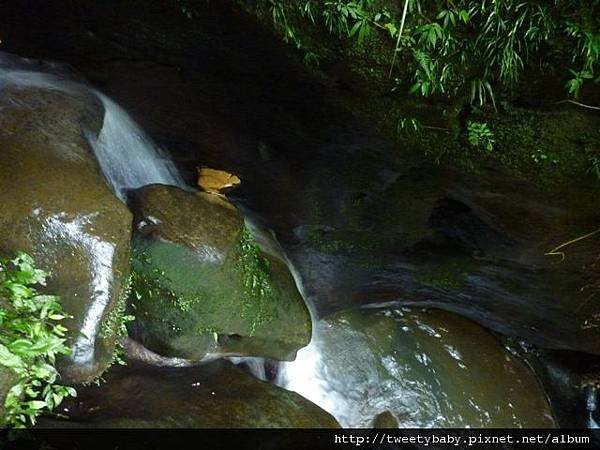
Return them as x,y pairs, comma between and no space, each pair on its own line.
30,339
187,10
115,324
255,276
409,125
480,135
539,156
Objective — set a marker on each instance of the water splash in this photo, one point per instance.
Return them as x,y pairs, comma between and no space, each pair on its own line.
305,376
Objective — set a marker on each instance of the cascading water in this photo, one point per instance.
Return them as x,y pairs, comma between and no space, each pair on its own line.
305,376
127,156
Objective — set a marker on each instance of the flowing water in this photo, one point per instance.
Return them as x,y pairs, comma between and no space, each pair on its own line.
425,368
127,156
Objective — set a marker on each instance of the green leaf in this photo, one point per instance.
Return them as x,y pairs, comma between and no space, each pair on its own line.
37,404
9,359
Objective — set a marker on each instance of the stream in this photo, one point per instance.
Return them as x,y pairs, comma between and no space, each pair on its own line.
431,300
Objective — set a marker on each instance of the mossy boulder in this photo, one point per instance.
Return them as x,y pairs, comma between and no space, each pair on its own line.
202,285
56,206
419,368
214,395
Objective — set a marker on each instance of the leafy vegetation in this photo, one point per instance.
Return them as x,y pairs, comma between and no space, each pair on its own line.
456,48
31,337
488,62
480,135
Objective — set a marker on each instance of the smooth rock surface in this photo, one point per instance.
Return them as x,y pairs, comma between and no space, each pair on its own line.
423,368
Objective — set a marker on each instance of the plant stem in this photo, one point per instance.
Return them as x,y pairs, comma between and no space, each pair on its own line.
555,252
583,105
399,36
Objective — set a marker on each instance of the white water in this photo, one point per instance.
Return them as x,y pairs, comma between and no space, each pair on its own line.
127,156
305,376
592,406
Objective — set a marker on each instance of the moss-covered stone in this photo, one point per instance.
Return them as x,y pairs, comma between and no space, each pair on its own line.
215,395
202,285
57,207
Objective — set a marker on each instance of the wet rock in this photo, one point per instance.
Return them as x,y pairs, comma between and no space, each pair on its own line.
214,395
385,420
426,368
202,285
57,207
571,381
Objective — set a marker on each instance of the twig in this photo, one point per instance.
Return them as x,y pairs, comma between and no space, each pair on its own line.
399,36
431,127
597,108
555,252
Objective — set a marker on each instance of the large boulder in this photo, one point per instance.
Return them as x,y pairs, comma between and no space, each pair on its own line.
202,285
421,368
56,206
214,395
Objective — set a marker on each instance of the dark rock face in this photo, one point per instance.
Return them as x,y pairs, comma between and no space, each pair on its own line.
215,395
201,284
57,207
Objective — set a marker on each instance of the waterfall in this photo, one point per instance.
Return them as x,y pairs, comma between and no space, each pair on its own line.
127,156
305,376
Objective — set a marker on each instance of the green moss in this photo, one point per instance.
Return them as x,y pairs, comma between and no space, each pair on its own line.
256,281
449,276
186,306
114,325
